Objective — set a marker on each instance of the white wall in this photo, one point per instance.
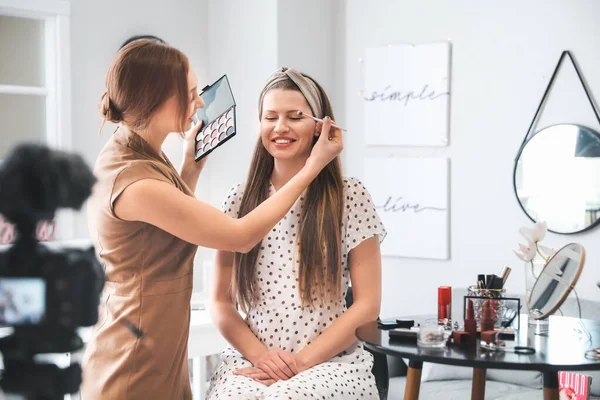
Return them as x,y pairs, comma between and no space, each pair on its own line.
503,56
307,47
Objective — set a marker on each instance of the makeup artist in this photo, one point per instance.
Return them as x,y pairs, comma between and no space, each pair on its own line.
146,225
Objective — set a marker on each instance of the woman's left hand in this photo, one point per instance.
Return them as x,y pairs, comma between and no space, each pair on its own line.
189,147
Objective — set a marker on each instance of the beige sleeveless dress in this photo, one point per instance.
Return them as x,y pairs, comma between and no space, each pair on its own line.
148,284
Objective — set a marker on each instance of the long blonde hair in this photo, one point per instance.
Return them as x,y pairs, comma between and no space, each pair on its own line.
320,224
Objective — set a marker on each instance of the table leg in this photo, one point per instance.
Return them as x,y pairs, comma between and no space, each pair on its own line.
478,385
413,380
551,385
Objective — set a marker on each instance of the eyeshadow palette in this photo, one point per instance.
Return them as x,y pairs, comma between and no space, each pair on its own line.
218,116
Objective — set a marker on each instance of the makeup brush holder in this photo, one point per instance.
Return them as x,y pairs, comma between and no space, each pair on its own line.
497,305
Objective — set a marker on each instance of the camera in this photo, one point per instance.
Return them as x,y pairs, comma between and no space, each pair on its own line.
45,294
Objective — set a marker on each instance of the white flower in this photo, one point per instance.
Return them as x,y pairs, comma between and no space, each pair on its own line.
535,234
526,252
546,252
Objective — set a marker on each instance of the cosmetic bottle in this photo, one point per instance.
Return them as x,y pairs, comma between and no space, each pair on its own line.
444,304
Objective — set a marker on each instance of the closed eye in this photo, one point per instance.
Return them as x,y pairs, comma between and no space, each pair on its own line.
274,118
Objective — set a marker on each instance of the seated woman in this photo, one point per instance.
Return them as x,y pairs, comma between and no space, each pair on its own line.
297,340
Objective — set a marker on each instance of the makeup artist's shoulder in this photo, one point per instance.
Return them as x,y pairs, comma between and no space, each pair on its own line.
156,167
141,168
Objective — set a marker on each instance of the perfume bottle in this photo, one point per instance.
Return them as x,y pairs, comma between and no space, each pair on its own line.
444,304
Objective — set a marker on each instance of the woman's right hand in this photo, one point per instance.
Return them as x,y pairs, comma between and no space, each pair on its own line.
278,364
328,147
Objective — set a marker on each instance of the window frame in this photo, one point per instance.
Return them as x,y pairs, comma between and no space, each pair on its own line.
57,89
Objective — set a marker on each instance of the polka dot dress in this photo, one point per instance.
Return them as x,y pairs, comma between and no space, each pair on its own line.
280,322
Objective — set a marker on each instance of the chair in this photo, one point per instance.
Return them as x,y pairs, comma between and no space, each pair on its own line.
380,365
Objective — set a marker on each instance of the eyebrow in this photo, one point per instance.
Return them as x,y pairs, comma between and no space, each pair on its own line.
195,88
286,112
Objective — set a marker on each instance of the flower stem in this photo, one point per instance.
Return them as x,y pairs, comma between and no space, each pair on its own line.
537,250
533,269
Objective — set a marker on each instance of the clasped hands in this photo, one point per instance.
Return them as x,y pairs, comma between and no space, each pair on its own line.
273,366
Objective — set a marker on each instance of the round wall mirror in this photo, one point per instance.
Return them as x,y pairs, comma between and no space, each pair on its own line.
557,178
556,281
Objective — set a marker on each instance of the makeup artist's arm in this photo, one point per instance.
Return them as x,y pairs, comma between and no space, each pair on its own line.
190,169
365,274
190,172
164,206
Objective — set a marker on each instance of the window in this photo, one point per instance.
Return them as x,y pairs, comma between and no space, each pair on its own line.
35,79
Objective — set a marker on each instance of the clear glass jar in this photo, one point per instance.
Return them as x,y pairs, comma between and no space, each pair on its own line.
431,334
497,305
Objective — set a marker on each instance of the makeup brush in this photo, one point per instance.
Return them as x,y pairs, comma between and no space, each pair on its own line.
301,114
504,275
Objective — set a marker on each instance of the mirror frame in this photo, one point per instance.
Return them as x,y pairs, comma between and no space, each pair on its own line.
514,179
569,288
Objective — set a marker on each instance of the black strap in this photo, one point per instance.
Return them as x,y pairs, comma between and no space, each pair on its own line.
545,96
523,350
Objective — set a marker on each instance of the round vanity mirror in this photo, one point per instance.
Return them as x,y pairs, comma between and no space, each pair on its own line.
557,178
556,281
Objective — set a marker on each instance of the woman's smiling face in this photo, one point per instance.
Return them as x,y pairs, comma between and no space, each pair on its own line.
284,133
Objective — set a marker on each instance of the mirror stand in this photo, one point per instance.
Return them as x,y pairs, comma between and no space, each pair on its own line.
539,326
